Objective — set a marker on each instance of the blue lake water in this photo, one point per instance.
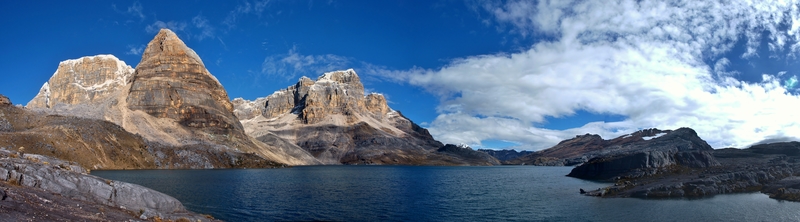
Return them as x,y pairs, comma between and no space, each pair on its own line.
419,193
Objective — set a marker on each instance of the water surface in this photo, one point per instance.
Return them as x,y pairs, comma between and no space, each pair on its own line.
419,193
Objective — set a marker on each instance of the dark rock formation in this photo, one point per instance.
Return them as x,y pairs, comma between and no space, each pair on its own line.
467,153
580,149
681,147
505,155
84,80
70,181
770,168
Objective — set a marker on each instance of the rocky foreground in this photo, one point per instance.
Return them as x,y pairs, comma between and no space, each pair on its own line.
679,164
40,188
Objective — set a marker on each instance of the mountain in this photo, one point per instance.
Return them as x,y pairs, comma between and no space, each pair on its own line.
181,112
333,119
681,147
580,149
85,80
505,155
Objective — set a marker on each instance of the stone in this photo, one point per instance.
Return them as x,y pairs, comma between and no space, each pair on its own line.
84,80
172,82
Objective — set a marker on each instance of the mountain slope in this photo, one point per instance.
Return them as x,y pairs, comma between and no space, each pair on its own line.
582,148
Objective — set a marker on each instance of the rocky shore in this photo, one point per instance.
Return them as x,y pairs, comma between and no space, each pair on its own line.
768,168
40,188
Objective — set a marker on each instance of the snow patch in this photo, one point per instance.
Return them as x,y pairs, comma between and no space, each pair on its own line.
653,137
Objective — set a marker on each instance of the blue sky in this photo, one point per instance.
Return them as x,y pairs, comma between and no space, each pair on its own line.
518,74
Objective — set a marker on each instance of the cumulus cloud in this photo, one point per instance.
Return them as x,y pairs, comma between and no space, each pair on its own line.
644,60
293,64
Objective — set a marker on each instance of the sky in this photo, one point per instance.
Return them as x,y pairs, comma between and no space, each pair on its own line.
513,74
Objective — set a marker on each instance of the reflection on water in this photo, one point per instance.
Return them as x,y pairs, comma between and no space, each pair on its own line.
418,193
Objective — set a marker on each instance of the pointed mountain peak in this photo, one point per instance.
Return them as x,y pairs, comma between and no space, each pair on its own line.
172,82
167,43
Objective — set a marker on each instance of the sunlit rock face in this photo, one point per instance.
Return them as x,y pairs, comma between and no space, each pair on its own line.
333,119
172,82
84,80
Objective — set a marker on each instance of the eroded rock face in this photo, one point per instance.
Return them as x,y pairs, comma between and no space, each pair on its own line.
84,80
172,82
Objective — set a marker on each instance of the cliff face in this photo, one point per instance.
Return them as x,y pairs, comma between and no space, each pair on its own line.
85,80
331,118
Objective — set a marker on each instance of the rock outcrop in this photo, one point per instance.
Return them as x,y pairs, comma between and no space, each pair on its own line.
332,119
4,101
769,168
41,174
681,147
84,80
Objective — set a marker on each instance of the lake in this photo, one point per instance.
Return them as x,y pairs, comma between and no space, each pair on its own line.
426,193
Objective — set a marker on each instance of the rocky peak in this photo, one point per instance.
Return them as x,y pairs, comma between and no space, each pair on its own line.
338,93
4,101
84,80
172,82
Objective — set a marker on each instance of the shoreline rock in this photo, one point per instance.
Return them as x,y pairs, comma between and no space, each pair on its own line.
27,178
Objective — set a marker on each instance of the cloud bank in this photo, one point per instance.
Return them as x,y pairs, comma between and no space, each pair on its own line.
644,60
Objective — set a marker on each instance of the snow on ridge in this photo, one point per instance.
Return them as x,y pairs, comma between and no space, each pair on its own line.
326,77
653,137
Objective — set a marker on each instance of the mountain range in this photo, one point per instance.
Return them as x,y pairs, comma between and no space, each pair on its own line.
171,112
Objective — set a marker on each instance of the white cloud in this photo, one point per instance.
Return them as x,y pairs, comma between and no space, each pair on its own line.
639,59
135,50
133,10
175,26
293,64
245,8
206,29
